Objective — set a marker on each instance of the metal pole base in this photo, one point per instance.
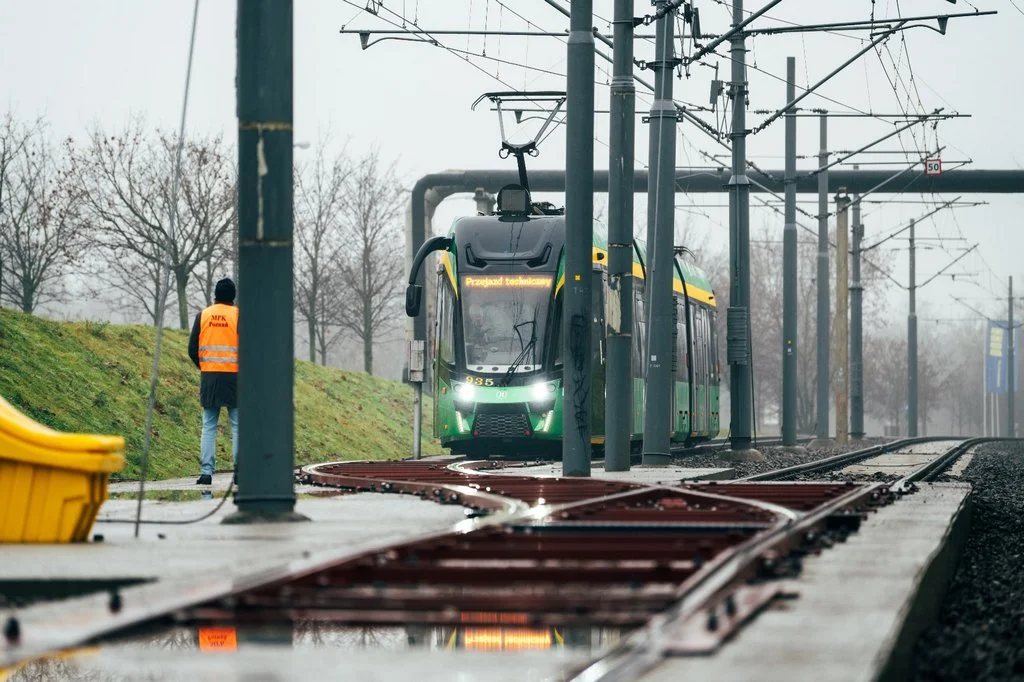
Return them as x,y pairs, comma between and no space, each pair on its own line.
821,443
744,455
857,436
248,517
651,459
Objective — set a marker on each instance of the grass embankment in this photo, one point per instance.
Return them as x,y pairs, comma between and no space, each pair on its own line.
92,377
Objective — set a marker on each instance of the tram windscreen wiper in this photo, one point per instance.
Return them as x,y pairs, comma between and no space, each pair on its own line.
527,347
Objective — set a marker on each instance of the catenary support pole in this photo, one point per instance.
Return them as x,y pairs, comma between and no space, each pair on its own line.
842,320
789,271
619,400
660,243
579,215
1011,384
856,329
984,384
266,359
738,316
822,284
912,344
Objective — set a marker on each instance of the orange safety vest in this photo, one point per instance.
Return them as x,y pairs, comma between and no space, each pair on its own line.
218,339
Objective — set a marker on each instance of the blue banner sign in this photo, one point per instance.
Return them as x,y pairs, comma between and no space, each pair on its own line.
997,351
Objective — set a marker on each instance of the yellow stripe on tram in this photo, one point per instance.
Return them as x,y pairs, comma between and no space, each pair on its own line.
695,293
446,260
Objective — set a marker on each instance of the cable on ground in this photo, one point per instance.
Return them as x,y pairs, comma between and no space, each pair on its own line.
176,522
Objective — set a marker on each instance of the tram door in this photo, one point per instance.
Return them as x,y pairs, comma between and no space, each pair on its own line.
698,411
684,396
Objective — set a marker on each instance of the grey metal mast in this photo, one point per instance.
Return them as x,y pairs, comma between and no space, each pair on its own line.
738,316
660,238
823,282
266,358
856,330
579,216
1011,388
789,271
912,344
842,319
619,400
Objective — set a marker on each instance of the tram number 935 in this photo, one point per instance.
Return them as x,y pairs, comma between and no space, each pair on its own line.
479,381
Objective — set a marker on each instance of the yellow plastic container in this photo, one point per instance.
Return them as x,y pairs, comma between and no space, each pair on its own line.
52,484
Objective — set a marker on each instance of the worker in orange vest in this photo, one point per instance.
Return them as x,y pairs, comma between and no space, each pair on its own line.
213,347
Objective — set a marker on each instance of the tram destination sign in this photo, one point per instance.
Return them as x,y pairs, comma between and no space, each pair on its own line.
507,281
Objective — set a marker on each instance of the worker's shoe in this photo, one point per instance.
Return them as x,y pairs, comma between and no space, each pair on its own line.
204,479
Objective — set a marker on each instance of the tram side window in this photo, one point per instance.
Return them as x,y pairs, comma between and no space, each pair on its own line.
445,323
639,325
704,345
681,337
556,330
714,349
705,324
699,347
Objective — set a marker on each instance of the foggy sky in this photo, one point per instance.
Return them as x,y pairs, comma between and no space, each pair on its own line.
79,63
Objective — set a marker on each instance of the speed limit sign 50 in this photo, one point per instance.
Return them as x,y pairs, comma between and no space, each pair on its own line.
933,167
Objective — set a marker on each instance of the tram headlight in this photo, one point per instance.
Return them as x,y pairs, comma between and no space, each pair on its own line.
542,396
464,394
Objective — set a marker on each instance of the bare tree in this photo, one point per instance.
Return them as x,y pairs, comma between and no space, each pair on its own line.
885,379
371,263
321,193
218,263
209,186
40,228
127,181
13,139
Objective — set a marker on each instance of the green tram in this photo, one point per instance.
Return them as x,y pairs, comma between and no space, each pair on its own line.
497,346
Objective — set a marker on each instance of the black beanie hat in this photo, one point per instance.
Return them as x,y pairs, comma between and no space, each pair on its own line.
224,292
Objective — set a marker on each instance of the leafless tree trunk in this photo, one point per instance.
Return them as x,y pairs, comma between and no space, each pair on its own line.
127,183
371,265
13,139
127,281
320,199
40,230
209,186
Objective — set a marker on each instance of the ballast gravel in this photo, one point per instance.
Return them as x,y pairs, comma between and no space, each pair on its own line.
775,457
979,632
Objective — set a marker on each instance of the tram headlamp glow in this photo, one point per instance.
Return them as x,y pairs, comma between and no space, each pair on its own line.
542,391
542,397
465,392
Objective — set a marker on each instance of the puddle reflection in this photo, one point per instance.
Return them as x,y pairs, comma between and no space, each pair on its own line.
123,658
482,635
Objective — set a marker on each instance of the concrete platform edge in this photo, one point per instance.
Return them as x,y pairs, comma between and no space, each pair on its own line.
923,606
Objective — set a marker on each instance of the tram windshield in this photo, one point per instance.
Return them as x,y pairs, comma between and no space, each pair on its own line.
504,320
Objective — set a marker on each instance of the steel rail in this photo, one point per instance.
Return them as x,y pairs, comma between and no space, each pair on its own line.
627,514
840,459
932,469
645,648
622,506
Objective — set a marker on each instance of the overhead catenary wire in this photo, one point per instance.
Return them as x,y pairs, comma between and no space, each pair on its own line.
904,87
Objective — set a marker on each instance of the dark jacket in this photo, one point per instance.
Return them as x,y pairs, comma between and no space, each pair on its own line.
216,389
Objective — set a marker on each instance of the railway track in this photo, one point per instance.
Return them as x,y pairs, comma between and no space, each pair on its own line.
681,567
562,552
684,601
827,465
